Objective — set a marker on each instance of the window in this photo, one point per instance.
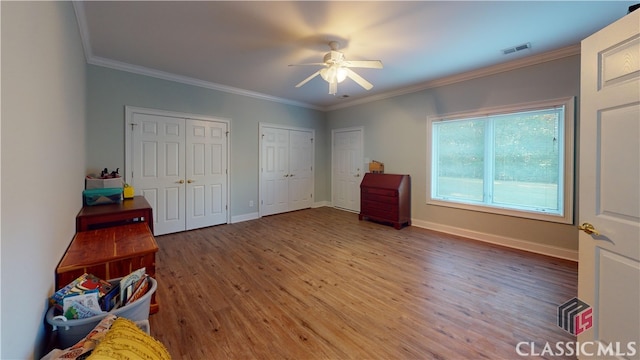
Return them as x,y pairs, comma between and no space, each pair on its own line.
514,161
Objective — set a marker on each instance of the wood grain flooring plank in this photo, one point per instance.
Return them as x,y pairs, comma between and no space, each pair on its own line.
320,284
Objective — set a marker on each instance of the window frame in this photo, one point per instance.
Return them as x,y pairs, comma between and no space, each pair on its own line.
568,172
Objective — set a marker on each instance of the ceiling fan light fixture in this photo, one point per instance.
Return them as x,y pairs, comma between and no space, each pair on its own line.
333,73
336,69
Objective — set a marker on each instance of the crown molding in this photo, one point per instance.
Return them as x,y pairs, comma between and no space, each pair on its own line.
474,74
78,7
141,70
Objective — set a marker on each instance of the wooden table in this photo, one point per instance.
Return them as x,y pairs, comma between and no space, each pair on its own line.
128,210
109,253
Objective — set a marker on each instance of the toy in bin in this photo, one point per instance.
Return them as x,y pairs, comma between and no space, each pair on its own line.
106,180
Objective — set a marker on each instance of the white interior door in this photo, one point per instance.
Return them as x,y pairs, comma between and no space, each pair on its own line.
206,173
347,168
157,168
179,163
286,169
609,187
300,169
274,171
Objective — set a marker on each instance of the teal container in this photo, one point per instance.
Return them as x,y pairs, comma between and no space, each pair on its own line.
102,196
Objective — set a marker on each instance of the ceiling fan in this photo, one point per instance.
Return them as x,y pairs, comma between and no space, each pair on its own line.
336,69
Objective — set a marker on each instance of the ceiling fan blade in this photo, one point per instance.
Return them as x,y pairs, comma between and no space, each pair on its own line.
358,79
309,78
309,64
371,64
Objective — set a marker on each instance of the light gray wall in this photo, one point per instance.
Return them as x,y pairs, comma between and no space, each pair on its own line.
395,134
109,91
43,162
62,119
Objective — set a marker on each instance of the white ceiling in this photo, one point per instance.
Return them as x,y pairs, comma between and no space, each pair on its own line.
246,47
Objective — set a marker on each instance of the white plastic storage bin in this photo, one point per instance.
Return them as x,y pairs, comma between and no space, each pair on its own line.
91,183
72,331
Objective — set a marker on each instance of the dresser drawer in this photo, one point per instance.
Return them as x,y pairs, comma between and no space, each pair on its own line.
376,204
380,198
382,213
378,191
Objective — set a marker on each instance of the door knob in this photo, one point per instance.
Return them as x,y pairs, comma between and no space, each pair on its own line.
190,181
357,175
589,229
287,175
181,181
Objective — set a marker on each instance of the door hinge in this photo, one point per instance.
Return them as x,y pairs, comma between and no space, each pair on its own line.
227,133
311,140
132,125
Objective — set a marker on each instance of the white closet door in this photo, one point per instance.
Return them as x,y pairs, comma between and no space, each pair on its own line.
158,168
300,170
275,171
347,168
206,173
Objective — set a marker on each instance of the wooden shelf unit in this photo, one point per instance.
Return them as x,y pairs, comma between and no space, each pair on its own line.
110,253
126,211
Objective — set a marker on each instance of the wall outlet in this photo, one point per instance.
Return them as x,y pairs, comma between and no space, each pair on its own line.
250,203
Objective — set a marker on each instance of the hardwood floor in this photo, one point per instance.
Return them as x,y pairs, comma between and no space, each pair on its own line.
319,284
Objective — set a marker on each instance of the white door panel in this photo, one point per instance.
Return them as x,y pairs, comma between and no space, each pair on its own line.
609,185
275,171
300,169
347,168
206,173
158,168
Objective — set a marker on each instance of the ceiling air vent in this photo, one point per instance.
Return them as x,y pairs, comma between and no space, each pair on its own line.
516,48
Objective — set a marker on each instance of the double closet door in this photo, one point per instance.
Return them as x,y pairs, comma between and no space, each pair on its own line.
286,169
179,165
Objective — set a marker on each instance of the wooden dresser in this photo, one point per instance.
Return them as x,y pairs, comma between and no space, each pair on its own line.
386,198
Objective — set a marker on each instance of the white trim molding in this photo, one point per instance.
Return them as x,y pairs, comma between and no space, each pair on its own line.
549,250
245,217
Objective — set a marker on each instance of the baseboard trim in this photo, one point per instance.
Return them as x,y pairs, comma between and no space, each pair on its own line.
245,217
548,250
518,244
319,204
